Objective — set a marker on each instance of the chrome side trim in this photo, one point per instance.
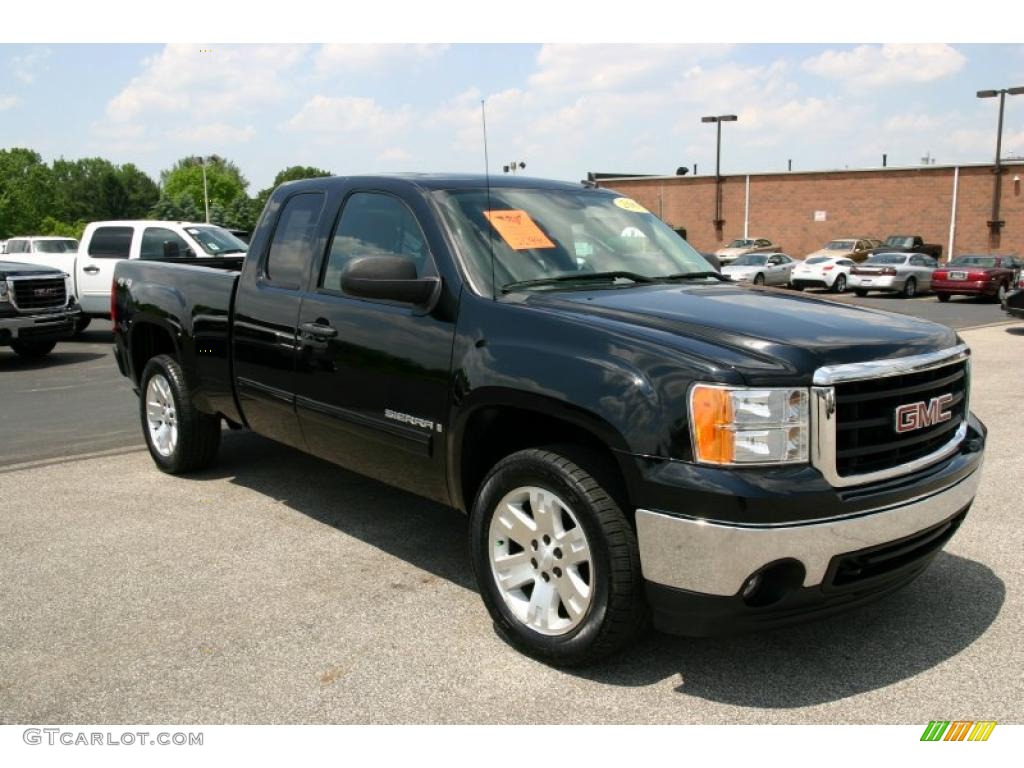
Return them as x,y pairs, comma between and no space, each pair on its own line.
715,559
823,412
874,369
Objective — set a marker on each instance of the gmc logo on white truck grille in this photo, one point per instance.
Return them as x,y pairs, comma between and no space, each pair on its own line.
921,414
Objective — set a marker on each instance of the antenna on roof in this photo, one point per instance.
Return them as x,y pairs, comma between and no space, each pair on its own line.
487,181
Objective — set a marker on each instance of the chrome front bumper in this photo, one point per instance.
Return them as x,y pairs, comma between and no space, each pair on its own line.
716,559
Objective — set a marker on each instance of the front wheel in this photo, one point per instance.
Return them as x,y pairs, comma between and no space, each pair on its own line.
860,292
910,288
180,437
555,558
758,279
839,286
33,350
81,324
1001,292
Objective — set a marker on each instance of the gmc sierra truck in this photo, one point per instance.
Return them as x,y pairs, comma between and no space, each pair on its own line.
632,436
36,310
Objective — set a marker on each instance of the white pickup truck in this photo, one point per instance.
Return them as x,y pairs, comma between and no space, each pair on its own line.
90,265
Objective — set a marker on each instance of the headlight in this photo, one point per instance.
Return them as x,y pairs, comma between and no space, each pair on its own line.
739,425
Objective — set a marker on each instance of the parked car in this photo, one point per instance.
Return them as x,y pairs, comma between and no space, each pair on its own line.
634,439
853,248
36,309
104,243
988,276
905,273
45,251
760,269
909,244
744,245
832,272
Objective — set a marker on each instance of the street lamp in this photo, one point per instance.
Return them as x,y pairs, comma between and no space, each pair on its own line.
718,120
206,196
995,224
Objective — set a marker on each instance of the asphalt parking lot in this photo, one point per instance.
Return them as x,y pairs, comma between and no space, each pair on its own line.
277,588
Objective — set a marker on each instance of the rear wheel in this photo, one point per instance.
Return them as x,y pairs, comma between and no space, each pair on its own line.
555,557
910,288
943,297
32,350
180,437
839,286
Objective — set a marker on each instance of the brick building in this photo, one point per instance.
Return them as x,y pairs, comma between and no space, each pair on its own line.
950,205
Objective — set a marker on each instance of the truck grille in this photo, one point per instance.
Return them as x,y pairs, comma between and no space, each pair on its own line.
38,293
867,436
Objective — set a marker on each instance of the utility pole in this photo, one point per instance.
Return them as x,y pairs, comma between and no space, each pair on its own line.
995,223
718,120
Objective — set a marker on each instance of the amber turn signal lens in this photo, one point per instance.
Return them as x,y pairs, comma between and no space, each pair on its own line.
712,415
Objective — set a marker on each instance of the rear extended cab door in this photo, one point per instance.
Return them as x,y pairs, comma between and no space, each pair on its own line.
103,245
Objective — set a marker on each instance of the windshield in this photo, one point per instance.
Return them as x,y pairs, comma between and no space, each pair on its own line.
840,245
899,241
750,260
986,262
740,244
56,246
818,259
540,234
217,241
887,258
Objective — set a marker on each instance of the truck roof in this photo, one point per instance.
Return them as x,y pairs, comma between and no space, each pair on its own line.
434,181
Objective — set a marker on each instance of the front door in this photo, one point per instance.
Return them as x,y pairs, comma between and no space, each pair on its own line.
372,376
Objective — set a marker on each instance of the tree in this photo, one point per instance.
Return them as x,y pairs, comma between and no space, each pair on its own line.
94,189
224,182
291,173
26,191
183,208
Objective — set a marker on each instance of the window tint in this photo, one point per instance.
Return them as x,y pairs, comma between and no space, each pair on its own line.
292,246
374,224
111,243
158,243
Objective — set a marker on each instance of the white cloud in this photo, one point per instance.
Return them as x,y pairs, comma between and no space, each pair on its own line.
394,155
348,114
27,67
340,58
7,102
185,80
869,66
214,134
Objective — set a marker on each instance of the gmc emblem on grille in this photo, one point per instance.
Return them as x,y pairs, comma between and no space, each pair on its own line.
43,292
920,415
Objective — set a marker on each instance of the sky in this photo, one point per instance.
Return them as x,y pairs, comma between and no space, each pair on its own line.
563,109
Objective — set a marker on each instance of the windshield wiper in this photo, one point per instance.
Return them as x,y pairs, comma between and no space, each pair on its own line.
585,277
694,276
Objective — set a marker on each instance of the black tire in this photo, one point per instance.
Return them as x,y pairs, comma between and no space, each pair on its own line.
81,324
758,279
909,288
33,350
839,285
796,286
198,433
943,297
860,292
617,611
1001,292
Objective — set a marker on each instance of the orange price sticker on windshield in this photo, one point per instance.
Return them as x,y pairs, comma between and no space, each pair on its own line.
518,230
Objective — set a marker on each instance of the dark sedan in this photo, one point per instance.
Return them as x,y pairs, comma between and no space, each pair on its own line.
989,276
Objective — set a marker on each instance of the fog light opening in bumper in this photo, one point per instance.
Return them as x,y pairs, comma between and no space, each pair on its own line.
768,585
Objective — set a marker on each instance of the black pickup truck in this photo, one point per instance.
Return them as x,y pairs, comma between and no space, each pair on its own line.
631,435
909,244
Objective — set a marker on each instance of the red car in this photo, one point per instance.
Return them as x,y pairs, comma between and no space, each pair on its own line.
991,276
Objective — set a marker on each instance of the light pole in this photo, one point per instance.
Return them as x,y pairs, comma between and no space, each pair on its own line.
995,223
718,120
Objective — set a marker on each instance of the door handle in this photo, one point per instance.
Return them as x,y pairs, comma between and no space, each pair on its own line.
90,270
319,330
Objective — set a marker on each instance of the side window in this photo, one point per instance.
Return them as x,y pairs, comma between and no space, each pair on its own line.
159,243
111,243
17,246
374,224
291,249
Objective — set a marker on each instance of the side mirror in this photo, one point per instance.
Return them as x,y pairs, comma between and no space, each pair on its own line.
171,250
392,278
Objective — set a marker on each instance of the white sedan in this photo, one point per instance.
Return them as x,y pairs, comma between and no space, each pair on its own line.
832,272
760,269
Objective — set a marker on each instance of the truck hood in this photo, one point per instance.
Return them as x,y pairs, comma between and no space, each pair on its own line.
770,334
17,269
